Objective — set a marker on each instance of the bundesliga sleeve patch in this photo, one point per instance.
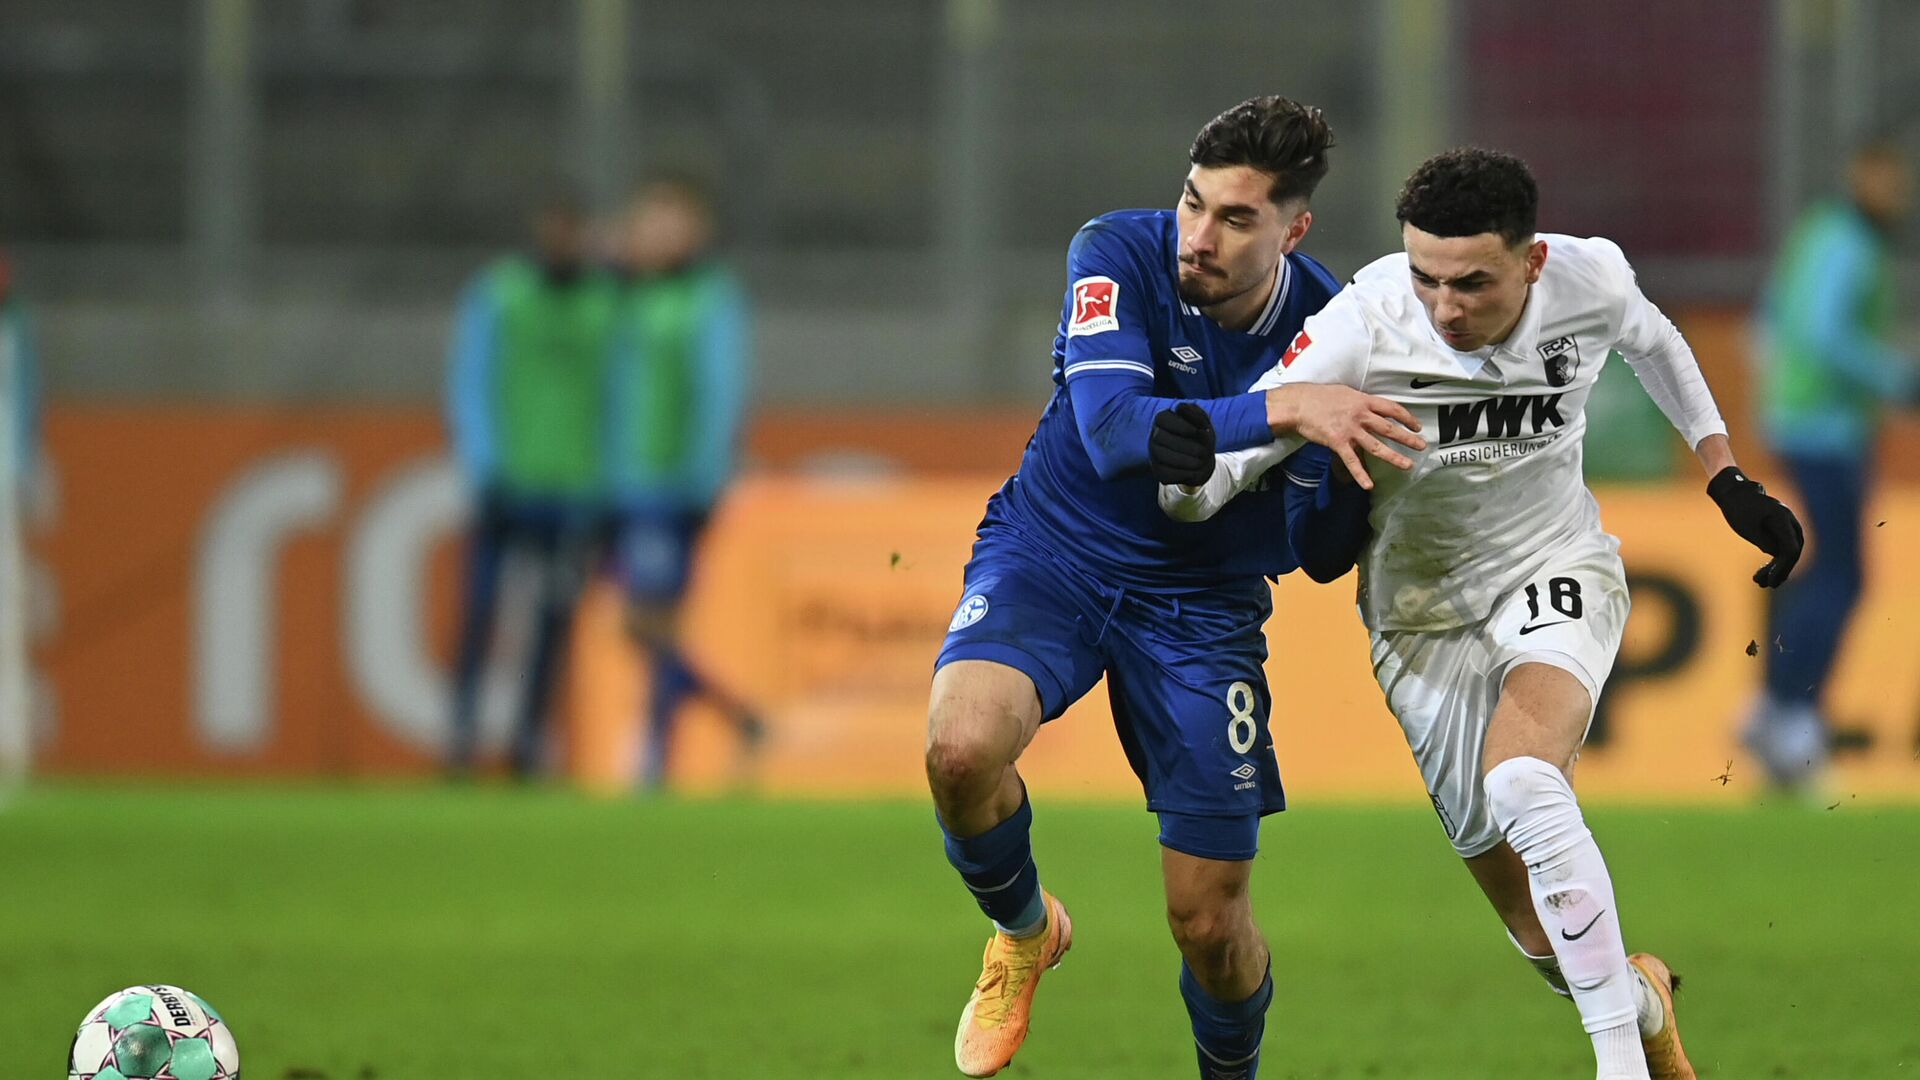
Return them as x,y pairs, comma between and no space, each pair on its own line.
1299,345
1096,302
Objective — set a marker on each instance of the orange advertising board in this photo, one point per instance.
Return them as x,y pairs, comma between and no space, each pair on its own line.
251,592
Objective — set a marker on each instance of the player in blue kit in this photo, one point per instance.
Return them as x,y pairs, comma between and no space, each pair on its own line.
1078,574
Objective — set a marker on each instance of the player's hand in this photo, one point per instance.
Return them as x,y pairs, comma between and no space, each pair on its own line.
1180,450
1347,422
1761,520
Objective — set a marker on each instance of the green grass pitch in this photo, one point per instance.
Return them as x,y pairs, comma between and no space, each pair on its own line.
425,933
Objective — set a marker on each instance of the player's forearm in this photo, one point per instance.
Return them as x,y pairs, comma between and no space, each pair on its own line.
1197,504
1715,453
1283,418
1115,414
1327,526
1283,411
1232,473
1671,376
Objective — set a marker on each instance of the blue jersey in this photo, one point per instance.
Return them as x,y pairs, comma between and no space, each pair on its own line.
1127,348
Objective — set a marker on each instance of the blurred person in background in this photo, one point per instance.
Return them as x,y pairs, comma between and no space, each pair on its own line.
678,389
525,405
20,370
1827,370
26,495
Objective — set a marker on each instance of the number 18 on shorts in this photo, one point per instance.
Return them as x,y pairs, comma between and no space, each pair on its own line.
1443,685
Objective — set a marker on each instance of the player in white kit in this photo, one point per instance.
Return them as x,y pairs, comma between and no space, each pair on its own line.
1495,599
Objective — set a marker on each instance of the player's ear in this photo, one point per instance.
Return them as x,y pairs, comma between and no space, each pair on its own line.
1296,231
1536,260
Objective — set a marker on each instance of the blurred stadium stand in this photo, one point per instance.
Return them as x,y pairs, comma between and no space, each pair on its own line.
242,225
235,200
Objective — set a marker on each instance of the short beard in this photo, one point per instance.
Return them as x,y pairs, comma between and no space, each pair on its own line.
1205,292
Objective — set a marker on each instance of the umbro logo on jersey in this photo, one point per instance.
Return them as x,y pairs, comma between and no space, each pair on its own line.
1187,359
1562,358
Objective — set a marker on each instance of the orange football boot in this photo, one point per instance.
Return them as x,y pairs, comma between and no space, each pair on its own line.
995,1021
1665,1059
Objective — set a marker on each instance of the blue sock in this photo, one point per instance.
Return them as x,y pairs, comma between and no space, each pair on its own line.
998,868
1227,1033
673,681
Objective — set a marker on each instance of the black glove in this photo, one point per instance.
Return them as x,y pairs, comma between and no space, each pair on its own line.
1761,520
1180,450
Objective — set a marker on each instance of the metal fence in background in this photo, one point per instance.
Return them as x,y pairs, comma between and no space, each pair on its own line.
277,199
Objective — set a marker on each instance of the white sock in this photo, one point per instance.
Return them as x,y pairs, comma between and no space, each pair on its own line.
1646,1006
1646,1001
1573,894
1621,1046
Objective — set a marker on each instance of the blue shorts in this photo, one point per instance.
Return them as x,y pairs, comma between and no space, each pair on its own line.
1185,675
653,553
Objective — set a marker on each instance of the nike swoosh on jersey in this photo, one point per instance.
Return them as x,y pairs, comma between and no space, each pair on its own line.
1525,630
1422,384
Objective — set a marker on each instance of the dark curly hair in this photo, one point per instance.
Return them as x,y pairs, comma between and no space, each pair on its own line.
1469,191
1278,136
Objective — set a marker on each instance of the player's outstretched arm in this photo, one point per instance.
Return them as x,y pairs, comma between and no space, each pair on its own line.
1116,409
1347,422
1312,395
1668,370
1195,481
1670,373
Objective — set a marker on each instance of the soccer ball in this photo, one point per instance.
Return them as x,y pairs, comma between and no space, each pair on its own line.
153,1031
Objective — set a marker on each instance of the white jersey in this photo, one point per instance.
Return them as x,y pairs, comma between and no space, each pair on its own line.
1499,488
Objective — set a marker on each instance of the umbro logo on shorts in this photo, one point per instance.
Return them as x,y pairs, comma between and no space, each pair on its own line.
1244,772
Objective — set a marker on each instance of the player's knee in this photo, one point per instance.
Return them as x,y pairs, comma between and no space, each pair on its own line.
1517,784
1535,808
971,739
963,757
1206,930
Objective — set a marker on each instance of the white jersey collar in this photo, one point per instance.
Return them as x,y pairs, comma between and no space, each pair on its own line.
1526,333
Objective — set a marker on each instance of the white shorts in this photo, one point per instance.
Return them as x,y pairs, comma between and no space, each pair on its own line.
1443,685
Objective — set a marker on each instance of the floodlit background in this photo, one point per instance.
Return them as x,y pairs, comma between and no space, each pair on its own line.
241,229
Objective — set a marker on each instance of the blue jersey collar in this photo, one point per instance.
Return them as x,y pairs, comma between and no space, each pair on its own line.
1269,315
